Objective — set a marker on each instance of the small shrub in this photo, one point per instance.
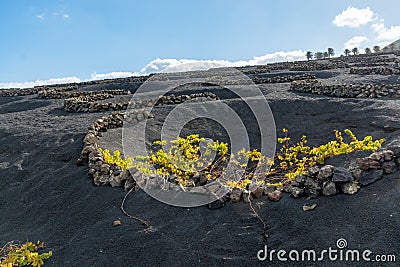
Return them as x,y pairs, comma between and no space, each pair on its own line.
180,160
296,158
23,255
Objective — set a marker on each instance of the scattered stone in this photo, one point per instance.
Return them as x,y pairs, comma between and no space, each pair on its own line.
370,177
247,197
197,189
301,179
125,174
312,187
256,191
116,181
295,184
105,169
311,183
116,223
387,155
356,173
129,184
325,173
388,167
329,189
378,156
213,188
140,117
200,179
342,175
309,207
297,192
287,188
350,188
313,171
269,189
367,163
215,205
236,194
275,196
226,197
312,192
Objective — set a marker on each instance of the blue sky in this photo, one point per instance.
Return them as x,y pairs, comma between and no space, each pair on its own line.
79,40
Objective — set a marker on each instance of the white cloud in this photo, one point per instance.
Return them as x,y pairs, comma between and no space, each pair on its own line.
170,65
113,75
40,82
380,34
354,17
177,65
355,42
278,57
386,34
45,14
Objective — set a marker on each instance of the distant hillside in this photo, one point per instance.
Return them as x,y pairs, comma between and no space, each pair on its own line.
396,45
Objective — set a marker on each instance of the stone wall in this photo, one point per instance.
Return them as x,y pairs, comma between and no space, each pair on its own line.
101,172
319,180
368,59
347,90
318,65
329,180
57,94
284,79
373,71
89,104
324,180
35,90
18,92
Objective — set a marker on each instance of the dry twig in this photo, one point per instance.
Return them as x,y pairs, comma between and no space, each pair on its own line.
147,224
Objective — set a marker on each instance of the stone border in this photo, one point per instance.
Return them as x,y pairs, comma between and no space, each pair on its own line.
326,180
101,172
318,65
368,59
89,104
17,92
57,94
329,180
373,71
347,90
284,79
35,90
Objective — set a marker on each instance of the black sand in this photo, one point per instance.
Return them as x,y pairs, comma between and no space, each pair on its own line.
45,196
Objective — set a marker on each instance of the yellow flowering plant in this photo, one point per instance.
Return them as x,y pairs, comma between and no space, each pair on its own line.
27,254
296,158
183,159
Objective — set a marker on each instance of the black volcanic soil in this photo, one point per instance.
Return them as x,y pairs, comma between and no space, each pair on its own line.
45,196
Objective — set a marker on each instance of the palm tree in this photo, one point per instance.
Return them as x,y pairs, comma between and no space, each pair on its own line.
331,52
368,51
309,55
347,52
326,55
377,48
319,55
355,51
